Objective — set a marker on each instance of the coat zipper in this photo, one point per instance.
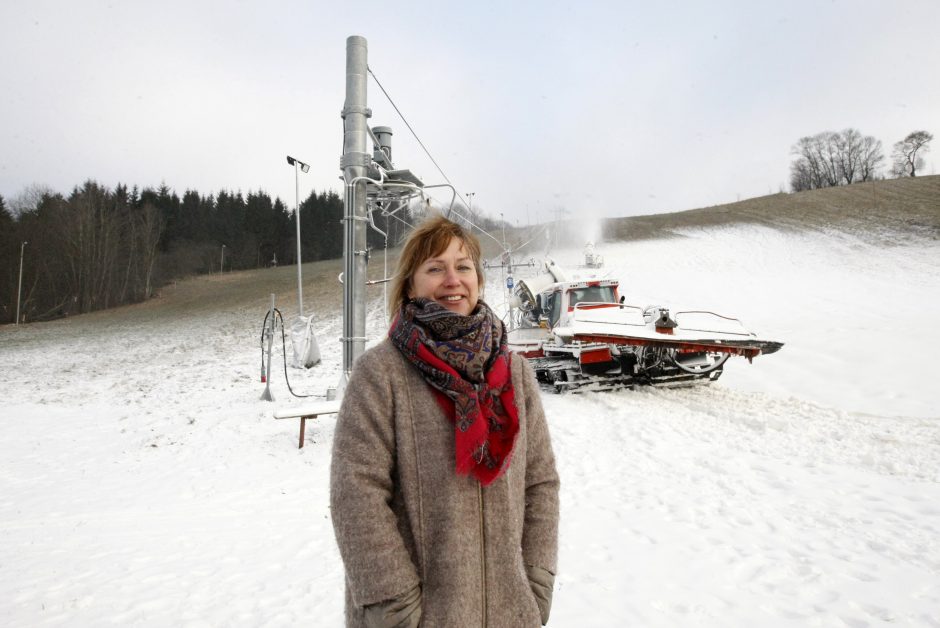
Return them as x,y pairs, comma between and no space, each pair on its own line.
482,555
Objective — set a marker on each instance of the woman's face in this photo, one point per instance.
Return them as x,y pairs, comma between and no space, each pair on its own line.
449,279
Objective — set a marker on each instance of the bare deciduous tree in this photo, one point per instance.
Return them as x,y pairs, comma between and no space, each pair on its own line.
870,159
29,199
849,144
149,230
828,159
815,166
906,160
802,175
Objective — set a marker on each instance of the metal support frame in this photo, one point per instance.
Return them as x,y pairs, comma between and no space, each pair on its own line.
355,162
370,180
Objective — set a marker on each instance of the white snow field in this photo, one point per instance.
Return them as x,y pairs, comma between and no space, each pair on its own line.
143,482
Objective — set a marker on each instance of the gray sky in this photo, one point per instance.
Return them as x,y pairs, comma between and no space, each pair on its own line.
604,108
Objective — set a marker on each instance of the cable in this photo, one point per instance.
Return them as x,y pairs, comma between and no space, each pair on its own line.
278,315
401,220
284,351
264,326
426,151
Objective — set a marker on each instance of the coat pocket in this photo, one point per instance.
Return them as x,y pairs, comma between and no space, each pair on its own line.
401,612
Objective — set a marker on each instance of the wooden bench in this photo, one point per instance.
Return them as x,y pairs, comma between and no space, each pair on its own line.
308,411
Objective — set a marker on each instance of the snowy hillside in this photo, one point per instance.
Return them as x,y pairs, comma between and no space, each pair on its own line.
142,482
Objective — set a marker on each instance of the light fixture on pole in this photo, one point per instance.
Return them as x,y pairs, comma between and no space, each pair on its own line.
19,289
296,163
470,196
222,261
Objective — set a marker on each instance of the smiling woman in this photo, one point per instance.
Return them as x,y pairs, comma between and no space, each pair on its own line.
443,487
449,278
441,262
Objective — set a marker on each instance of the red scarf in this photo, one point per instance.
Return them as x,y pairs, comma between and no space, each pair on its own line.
466,361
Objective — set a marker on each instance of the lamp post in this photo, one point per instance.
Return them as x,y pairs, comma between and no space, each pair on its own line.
19,289
470,196
296,163
222,261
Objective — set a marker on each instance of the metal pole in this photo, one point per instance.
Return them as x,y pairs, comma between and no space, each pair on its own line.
354,163
300,286
19,289
222,261
269,336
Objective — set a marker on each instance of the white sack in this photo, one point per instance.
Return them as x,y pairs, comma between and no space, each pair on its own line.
306,350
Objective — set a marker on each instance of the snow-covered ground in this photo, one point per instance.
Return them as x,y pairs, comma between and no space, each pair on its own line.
142,482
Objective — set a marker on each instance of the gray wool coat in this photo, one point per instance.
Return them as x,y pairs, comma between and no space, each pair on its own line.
403,517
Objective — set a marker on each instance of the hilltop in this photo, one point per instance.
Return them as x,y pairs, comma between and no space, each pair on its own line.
887,211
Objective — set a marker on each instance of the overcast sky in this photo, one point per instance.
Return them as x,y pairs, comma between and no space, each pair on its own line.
601,108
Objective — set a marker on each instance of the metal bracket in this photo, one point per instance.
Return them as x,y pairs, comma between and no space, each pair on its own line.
363,160
355,109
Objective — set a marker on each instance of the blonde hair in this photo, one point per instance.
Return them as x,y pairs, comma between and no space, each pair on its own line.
430,238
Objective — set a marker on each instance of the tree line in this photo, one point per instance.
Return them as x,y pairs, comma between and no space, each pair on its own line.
832,158
99,247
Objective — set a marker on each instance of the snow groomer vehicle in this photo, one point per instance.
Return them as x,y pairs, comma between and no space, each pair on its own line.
582,336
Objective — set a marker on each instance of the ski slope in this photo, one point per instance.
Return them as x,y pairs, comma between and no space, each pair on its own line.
143,483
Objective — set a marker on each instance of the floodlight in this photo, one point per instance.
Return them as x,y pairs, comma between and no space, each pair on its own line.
296,162
306,168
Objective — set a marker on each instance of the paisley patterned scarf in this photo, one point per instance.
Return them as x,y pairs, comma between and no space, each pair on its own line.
466,360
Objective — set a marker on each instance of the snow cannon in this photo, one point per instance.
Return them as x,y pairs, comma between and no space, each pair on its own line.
524,295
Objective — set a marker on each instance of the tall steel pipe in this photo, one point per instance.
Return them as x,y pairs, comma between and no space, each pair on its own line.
354,163
300,282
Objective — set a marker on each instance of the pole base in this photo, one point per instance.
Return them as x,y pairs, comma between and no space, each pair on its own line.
266,395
